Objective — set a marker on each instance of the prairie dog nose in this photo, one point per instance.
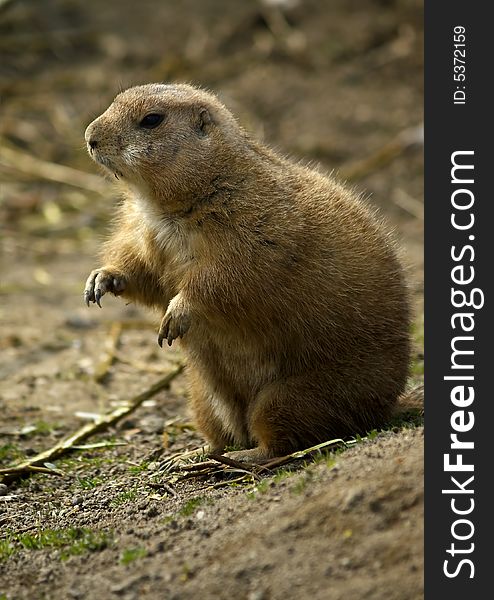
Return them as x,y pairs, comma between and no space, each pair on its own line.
90,137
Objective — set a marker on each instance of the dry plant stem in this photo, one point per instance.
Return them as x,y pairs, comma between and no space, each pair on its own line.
279,461
243,467
410,205
140,365
31,469
84,432
361,168
210,467
202,466
109,355
281,29
173,461
164,486
34,167
275,462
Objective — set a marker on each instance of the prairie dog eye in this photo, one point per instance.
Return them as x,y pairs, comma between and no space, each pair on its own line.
151,121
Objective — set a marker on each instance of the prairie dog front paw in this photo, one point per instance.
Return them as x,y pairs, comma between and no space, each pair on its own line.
101,281
176,321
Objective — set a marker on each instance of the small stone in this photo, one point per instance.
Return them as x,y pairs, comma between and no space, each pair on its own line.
152,425
4,490
121,587
353,498
257,595
77,500
75,321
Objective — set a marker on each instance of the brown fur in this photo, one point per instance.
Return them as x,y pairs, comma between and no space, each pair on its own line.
285,289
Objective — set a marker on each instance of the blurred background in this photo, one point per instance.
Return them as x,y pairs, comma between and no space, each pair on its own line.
333,82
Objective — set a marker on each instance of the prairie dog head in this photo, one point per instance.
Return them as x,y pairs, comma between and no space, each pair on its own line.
160,138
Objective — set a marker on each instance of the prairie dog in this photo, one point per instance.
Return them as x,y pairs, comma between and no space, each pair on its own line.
284,289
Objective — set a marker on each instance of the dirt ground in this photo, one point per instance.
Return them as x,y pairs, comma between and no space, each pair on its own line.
337,83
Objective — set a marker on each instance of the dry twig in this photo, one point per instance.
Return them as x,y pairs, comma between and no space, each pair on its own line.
379,159
163,486
41,169
176,469
105,421
109,355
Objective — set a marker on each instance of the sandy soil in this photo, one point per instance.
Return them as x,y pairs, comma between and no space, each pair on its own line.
335,83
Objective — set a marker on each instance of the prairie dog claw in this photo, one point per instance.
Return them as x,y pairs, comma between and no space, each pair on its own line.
101,281
175,323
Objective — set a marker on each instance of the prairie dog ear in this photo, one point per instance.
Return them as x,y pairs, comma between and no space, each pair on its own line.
205,120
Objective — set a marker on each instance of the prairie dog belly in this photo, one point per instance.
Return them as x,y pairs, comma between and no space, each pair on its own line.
231,363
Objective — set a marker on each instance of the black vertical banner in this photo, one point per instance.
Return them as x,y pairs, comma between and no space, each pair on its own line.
459,332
